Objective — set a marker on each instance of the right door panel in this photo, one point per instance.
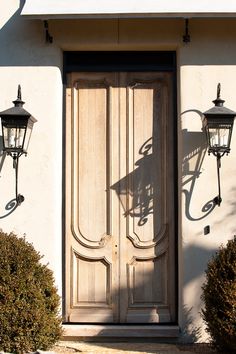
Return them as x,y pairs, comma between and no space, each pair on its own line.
146,193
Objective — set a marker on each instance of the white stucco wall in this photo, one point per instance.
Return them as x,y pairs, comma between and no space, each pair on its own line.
209,58
25,59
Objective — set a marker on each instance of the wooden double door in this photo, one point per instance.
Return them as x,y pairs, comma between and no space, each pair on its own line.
120,232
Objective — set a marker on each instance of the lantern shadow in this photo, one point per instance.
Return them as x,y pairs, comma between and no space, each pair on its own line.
140,186
194,151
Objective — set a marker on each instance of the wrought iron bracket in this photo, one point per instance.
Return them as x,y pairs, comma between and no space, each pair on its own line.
218,199
19,197
48,37
186,36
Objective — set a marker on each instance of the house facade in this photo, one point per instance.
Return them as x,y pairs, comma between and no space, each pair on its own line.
119,189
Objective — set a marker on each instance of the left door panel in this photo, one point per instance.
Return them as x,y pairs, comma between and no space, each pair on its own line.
91,210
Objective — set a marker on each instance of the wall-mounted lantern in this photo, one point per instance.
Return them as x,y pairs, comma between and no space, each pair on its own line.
17,125
218,124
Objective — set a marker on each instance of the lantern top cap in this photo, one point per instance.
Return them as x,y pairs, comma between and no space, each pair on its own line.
218,101
219,108
17,110
18,102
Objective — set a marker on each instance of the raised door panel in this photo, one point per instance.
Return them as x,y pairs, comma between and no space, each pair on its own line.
91,204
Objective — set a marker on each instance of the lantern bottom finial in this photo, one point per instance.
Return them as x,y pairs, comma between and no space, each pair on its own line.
19,199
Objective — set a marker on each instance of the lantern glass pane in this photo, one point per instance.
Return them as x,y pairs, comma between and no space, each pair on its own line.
219,137
20,138
27,138
5,137
9,135
13,137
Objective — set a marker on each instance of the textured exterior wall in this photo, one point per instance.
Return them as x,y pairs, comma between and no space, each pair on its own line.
26,60
209,58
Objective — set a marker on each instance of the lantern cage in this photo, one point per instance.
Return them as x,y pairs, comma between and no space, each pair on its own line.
218,133
17,125
218,124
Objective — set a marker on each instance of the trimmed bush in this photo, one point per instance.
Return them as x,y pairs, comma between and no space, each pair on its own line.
29,302
219,296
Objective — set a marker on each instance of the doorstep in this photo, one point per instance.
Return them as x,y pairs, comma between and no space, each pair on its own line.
78,331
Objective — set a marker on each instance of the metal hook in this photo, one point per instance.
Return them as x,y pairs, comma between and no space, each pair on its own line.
186,36
49,38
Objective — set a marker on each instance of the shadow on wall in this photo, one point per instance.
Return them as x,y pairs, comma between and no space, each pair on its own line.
197,258
145,289
142,186
27,40
136,296
194,150
190,333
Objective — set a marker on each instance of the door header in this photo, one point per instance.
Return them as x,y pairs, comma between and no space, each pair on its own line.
105,61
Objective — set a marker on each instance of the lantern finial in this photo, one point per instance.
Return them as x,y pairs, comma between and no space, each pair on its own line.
218,101
18,102
218,90
19,93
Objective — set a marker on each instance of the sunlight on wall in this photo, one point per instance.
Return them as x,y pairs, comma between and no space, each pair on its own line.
7,12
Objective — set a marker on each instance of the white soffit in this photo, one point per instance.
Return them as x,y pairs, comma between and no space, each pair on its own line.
47,9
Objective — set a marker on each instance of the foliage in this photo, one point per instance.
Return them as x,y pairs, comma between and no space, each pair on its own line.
219,296
28,298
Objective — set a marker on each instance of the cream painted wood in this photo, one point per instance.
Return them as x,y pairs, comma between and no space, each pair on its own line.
119,198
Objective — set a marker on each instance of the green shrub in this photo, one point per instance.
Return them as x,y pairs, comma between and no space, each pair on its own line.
219,296
29,302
